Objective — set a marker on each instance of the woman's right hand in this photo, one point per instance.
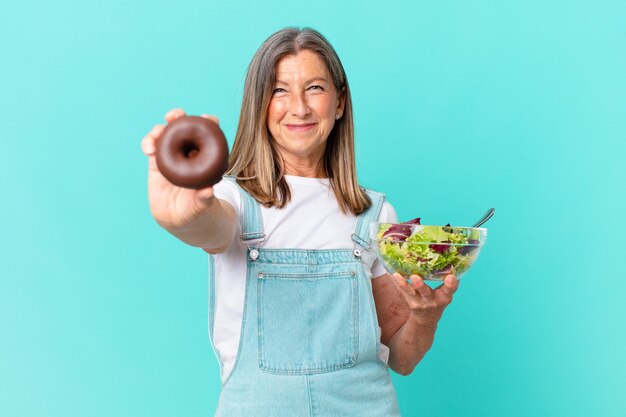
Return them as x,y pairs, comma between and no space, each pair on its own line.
173,207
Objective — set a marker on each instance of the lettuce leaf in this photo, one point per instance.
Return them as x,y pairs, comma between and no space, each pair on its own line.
428,251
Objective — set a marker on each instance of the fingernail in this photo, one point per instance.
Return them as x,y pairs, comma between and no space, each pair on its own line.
147,147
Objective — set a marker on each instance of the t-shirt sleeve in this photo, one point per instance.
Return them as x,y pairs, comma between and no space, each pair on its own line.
387,215
227,191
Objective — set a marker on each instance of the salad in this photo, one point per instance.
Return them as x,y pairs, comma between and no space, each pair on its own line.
431,252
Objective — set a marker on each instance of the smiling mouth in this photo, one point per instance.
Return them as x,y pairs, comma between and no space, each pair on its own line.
300,127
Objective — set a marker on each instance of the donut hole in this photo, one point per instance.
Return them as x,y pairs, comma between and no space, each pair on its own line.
190,150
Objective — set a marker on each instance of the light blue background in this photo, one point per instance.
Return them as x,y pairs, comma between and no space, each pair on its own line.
460,106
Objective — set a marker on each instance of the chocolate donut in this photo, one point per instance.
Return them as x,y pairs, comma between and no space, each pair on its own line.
192,152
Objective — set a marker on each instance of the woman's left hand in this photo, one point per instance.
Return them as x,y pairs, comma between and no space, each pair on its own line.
421,311
426,305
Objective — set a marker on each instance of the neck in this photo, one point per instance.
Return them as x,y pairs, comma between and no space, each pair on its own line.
304,168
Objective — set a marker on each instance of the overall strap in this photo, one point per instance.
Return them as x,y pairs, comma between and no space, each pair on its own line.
251,221
361,235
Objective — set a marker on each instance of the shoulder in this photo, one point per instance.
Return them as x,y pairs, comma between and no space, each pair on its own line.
228,190
387,212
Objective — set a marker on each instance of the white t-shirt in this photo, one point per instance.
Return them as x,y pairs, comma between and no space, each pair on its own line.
311,220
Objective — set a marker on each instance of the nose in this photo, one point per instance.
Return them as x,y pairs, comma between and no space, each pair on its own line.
298,105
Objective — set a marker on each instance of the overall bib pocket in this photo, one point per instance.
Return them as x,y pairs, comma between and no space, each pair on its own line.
307,321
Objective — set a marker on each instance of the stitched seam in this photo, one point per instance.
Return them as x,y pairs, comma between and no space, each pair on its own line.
360,241
260,327
212,312
314,252
307,276
373,211
309,388
355,318
243,327
277,256
286,370
289,264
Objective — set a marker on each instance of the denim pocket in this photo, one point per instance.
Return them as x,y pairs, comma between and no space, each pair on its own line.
307,322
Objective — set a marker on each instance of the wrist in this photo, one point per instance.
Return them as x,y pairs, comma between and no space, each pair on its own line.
423,322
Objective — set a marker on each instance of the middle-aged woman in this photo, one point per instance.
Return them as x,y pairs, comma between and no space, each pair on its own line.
303,319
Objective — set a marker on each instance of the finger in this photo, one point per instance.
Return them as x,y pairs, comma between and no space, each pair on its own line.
421,287
174,114
449,286
152,164
205,194
156,131
148,142
211,118
403,285
147,145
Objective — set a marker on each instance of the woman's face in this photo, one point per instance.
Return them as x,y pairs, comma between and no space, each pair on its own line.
303,107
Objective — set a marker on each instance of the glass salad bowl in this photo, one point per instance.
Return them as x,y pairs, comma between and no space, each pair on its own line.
432,252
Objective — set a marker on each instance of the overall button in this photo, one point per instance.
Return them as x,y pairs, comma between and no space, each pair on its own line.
356,253
254,254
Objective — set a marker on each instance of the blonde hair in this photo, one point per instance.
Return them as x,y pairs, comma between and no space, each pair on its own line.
255,160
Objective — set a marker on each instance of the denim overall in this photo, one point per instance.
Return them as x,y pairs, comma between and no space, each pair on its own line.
309,344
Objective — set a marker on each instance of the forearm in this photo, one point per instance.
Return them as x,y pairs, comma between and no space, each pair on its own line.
213,228
410,343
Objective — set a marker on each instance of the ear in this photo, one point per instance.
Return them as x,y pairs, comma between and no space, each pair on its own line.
341,105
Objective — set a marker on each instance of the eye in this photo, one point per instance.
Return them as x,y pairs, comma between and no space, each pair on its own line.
316,87
279,90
